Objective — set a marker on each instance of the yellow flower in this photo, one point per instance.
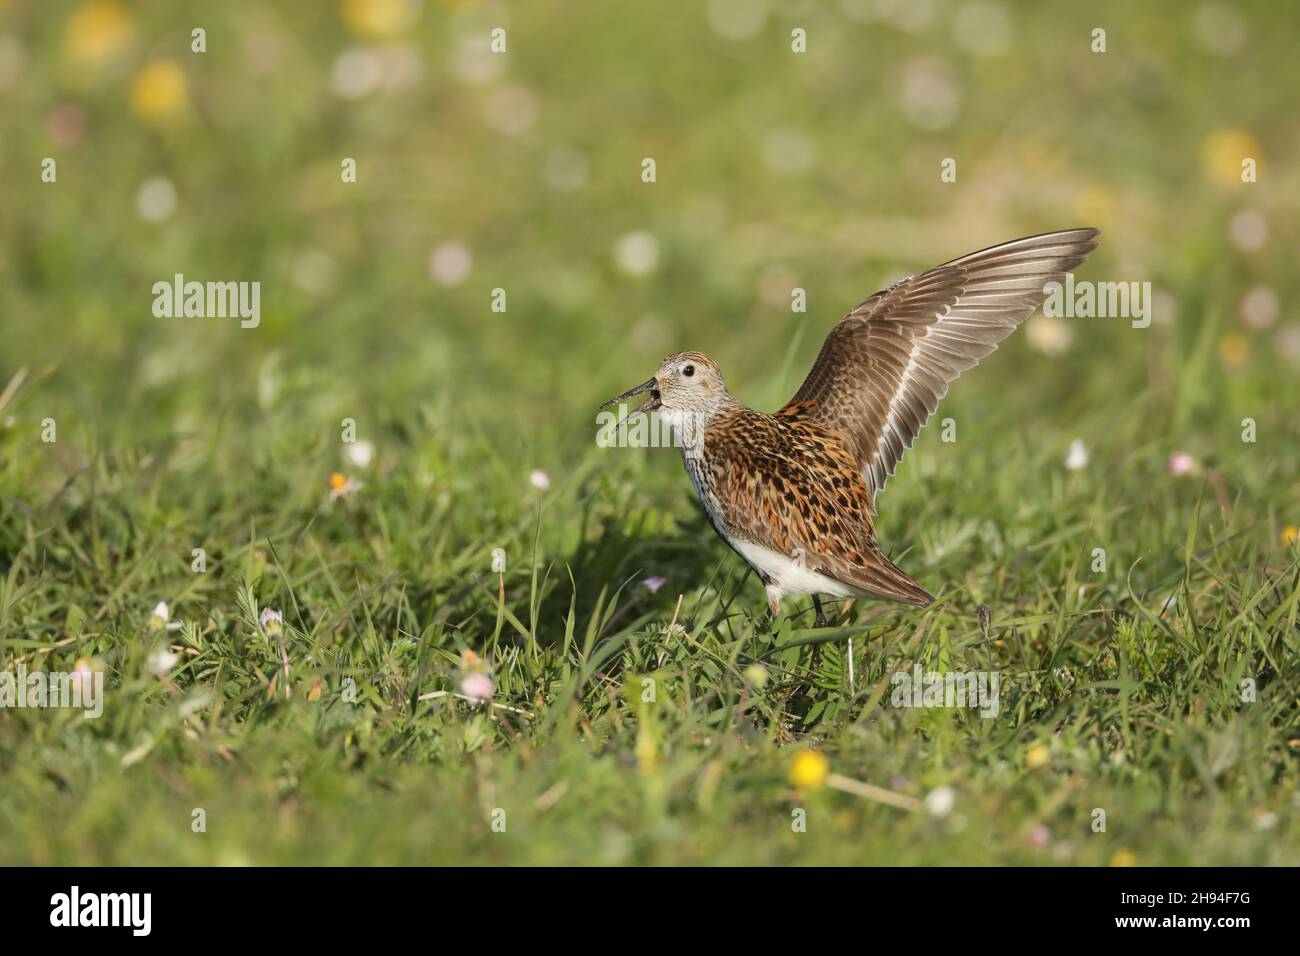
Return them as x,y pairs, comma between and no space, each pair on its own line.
1124,858
1038,756
1290,534
341,486
378,18
1222,153
1234,350
158,91
96,31
756,676
808,770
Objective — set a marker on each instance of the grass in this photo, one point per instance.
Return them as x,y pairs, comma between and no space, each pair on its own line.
630,725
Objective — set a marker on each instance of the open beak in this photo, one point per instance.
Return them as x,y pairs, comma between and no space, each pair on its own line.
650,404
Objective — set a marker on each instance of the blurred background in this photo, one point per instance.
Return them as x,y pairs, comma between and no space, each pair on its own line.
523,171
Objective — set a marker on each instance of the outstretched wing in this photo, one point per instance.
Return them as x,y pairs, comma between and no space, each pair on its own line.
883,369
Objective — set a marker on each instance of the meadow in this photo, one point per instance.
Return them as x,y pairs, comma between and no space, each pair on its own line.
363,586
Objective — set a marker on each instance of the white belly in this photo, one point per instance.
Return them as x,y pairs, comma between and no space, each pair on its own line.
787,575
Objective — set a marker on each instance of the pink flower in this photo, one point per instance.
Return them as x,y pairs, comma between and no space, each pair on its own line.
654,583
83,672
1040,836
1181,463
476,686
272,621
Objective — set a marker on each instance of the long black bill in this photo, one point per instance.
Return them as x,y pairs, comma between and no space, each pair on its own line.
649,406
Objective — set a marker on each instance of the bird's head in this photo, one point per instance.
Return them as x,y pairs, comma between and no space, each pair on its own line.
688,382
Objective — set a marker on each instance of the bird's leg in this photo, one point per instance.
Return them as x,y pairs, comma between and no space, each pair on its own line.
819,621
774,605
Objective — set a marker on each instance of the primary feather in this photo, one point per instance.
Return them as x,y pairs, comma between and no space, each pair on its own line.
883,369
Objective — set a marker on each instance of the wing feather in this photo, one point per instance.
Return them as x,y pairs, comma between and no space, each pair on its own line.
885,366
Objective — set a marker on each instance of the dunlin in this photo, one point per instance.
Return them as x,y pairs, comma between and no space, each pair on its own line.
794,492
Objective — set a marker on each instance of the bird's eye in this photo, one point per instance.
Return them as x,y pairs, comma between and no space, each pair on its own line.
688,370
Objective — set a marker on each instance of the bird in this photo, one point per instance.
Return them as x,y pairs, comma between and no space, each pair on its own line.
794,492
